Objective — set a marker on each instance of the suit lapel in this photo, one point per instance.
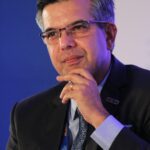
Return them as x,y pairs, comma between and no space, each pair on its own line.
111,93
53,128
56,127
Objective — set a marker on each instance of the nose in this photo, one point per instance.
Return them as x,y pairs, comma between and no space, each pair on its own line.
66,41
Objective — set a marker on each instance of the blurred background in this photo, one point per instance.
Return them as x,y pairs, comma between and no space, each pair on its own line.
25,68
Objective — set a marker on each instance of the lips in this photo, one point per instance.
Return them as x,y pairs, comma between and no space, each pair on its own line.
72,60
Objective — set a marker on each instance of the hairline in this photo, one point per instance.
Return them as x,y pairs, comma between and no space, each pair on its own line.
93,12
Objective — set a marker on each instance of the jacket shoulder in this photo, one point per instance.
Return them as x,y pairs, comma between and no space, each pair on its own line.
138,76
49,97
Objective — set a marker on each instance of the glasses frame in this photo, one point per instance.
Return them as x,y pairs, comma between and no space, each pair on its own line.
43,35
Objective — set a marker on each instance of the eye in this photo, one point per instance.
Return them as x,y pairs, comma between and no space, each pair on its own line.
51,34
80,27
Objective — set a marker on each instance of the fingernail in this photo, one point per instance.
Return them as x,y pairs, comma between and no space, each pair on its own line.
60,96
63,101
58,78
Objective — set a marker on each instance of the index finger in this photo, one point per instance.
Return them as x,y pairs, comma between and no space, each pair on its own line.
83,73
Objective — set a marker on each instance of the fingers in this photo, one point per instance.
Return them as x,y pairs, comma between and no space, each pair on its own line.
83,73
79,76
71,85
74,78
65,93
78,80
69,92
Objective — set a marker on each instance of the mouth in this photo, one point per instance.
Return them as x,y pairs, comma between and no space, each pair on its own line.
73,60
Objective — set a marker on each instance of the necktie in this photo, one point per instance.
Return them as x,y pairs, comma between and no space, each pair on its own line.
81,136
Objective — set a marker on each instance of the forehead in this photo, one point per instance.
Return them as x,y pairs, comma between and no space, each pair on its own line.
63,13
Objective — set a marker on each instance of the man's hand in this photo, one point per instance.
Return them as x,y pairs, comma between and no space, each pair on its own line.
83,89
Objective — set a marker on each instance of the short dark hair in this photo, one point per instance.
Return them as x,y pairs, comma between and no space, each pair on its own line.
42,3
102,10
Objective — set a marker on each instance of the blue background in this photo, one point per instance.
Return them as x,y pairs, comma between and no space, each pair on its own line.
25,67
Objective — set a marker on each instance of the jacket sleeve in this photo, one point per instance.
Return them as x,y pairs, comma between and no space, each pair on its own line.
127,140
12,141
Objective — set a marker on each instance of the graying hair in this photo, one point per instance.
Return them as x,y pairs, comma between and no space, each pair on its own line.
102,10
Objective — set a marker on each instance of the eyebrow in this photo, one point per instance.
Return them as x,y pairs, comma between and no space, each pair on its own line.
49,29
73,23
78,21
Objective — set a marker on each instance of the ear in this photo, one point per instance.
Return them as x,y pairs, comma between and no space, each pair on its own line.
111,31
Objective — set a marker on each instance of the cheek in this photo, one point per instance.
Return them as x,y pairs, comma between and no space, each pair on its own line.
54,57
51,52
99,46
96,50
94,47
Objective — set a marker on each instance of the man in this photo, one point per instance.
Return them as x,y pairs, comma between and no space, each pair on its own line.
98,97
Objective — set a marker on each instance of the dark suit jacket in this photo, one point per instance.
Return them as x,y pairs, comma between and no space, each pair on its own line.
38,123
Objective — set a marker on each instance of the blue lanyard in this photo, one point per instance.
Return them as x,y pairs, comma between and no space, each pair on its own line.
65,141
64,145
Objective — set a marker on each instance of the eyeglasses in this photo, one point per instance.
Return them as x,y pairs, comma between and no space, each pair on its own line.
76,29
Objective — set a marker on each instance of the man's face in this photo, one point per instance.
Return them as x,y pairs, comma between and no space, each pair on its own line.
89,52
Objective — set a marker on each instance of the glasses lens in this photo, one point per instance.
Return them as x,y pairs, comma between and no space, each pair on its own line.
50,36
79,28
